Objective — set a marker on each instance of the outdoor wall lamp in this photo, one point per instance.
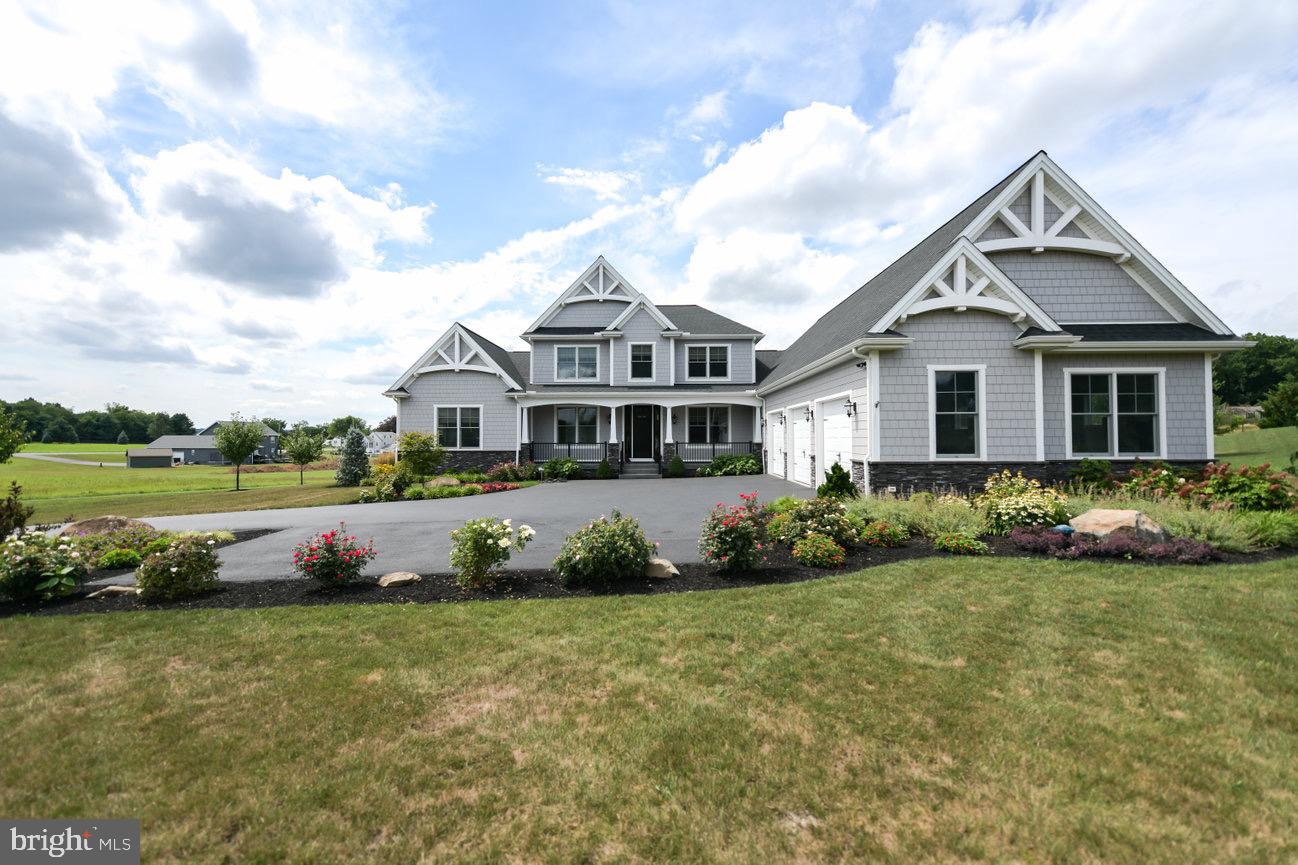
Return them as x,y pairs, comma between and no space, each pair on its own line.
808,415
850,406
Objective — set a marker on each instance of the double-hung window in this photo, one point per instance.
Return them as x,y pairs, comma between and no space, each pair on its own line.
459,426
709,424
576,362
642,360
957,424
576,425
1114,414
708,361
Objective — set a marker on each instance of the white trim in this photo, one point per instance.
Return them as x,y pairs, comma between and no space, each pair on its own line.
1210,409
1112,372
554,416
709,346
671,366
771,426
482,426
648,306
577,363
653,358
457,339
754,366
962,296
518,431
580,290
981,369
875,400
1039,404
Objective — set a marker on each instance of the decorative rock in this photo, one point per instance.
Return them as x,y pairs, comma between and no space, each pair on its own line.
98,525
400,578
113,591
1101,522
660,569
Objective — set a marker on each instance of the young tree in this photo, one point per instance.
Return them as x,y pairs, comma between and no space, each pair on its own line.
301,447
339,426
354,466
420,453
237,439
13,434
122,439
1280,408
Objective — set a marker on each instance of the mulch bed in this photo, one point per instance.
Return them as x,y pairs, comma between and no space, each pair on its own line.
515,585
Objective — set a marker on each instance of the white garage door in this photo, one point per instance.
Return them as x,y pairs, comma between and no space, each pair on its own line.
835,437
775,435
801,455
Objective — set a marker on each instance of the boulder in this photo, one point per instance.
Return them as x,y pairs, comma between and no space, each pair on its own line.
113,591
1101,522
444,481
399,578
660,569
98,525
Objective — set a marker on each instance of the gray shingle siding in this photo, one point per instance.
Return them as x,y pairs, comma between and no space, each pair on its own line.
499,421
1185,386
741,359
957,338
1073,286
587,313
642,327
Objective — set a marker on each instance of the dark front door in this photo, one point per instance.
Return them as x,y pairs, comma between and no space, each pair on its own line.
642,432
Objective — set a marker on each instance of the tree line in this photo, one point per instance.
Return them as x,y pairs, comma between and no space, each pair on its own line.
53,422
1265,375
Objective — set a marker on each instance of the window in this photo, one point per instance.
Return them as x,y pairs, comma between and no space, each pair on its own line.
576,425
955,414
709,424
708,361
1114,413
642,360
459,426
576,362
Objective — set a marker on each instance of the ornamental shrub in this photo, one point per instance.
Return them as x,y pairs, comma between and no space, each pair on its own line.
481,547
604,471
511,472
13,513
733,536
34,565
605,550
114,560
1039,539
778,529
1013,500
783,504
561,469
961,544
819,551
838,484
883,534
1093,474
354,466
188,566
826,516
1249,488
392,481
730,465
333,557
414,494
675,467
135,537
490,487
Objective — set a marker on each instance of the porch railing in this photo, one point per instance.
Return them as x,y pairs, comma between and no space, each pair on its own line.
582,453
704,451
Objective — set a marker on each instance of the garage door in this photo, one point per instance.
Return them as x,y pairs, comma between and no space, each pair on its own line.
801,456
835,437
775,435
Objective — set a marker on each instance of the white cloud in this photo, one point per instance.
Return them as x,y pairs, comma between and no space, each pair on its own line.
606,185
710,110
712,153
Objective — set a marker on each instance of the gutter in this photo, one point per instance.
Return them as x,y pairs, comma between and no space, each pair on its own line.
1195,346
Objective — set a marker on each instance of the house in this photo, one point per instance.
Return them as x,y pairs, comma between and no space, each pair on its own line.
1028,332
201,448
375,443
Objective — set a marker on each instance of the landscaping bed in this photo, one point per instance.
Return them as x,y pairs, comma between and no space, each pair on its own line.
541,583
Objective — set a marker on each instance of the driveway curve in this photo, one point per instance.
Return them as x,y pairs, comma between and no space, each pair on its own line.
50,458
415,536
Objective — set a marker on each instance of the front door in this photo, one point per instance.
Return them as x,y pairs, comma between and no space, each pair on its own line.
642,432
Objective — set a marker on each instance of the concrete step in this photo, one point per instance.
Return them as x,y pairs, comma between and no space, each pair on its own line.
640,470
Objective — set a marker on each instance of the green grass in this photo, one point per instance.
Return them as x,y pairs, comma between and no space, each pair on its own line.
1252,447
927,711
58,509
85,448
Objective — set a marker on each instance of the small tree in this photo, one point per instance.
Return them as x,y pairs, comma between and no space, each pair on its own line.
13,435
388,424
355,465
1280,408
122,438
420,453
237,439
301,447
340,426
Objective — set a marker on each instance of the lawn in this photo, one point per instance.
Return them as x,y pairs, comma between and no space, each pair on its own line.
926,711
84,448
1251,447
58,490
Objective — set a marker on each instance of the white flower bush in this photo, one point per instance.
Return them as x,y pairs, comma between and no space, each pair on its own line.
480,549
34,565
1013,500
605,550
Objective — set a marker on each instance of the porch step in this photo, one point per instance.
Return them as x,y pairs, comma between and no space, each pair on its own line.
639,470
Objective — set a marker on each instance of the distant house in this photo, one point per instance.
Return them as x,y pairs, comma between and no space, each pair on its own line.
201,449
148,458
375,443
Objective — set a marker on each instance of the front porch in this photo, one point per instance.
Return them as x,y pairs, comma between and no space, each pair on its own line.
638,436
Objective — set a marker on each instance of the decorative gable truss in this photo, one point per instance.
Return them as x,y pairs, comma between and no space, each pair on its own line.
455,351
598,283
647,305
964,279
1045,209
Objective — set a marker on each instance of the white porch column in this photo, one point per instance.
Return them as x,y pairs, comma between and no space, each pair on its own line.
757,424
612,424
667,416
518,431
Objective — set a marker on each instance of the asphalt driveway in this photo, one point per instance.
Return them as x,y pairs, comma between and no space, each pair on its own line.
415,536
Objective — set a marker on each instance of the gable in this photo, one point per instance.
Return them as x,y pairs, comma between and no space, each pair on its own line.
1074,287
460,350
599,286
1043,209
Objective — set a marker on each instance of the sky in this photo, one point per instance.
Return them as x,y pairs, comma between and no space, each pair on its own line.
275,208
